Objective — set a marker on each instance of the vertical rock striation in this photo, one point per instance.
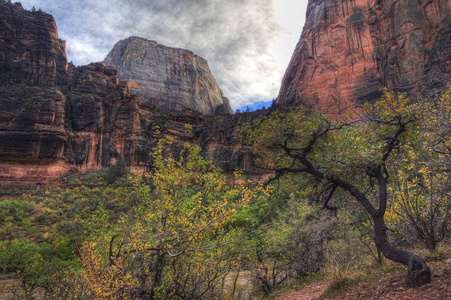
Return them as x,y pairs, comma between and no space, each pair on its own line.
351,49
170,78
29,47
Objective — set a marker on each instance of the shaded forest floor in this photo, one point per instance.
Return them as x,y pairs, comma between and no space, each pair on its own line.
381,284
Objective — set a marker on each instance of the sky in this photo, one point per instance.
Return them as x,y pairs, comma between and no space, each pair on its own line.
247,43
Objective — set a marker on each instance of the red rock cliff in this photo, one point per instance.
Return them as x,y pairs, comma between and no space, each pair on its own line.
55,117
29,46
351,49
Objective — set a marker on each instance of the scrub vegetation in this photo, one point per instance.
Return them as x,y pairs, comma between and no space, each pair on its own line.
369,192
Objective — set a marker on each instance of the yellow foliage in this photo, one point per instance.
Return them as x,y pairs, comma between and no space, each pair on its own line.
181,238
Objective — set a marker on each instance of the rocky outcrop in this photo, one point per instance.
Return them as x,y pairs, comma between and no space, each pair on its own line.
169,78
351,49
105,122
101,114
29,47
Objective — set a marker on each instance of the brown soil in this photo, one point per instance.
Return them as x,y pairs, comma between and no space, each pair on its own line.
387,286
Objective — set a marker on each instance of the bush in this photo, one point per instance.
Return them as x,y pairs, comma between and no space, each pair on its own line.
115,172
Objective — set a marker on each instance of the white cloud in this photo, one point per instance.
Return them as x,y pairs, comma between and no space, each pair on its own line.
247,43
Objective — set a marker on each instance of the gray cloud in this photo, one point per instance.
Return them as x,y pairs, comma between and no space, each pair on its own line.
234,36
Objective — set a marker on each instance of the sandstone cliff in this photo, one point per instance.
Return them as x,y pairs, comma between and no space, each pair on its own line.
55,117
350,49
170,78
29,46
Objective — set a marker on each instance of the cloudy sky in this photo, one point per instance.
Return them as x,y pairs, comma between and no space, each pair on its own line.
247,43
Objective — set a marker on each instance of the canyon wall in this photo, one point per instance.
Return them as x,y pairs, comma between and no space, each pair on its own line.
350,50
169,78
55,117
29,46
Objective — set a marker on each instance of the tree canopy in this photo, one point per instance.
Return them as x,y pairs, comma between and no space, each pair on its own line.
366,154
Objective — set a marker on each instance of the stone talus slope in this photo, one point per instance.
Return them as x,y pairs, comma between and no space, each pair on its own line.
169,78
351,49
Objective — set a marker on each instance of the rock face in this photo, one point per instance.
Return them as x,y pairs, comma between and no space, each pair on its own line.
351,49
29,46
169,78
32,122
33,138
55,117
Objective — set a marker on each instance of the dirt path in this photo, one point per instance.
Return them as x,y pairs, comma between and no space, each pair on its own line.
390,286
312,291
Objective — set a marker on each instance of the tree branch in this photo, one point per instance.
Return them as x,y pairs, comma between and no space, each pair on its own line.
329,197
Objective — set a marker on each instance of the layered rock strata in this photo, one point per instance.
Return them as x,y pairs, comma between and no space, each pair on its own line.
351,49
169,78
56,117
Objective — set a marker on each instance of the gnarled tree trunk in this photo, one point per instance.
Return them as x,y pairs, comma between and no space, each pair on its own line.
418,271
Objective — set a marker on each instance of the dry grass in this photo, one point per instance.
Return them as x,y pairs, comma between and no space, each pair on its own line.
240,287
6,288
338,278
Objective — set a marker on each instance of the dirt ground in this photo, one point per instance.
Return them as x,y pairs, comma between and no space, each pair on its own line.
391,286
5,286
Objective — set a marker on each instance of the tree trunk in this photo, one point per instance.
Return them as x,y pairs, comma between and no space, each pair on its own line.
418,271
158,266
379,257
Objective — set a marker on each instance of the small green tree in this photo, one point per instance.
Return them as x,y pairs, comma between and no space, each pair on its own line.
117,171
27,261
422,197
